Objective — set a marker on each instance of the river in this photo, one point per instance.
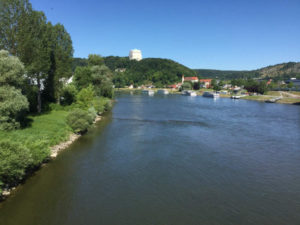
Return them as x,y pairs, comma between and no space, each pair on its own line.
171,160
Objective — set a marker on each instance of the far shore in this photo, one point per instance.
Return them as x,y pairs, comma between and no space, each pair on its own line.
287,98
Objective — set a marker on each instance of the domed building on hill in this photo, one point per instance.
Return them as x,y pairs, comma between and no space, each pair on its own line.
135,54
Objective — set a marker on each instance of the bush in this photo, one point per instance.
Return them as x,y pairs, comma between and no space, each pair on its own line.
101,104
107,105
39,151
85,97
79,120
92,112
14,159
13,106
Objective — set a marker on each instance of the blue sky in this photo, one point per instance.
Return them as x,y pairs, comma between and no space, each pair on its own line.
213,34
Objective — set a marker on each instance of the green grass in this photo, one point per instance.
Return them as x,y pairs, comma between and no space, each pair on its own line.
50,128
257,97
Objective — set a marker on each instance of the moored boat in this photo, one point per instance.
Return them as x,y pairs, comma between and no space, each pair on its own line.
148,92
163,92
210,94
189,93
235,97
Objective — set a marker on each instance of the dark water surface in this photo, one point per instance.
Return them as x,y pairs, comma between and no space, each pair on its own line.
172,160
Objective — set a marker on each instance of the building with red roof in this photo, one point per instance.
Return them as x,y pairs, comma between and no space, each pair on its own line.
206,83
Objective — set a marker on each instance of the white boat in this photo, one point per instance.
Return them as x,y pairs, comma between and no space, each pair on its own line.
210,94
235,97
189,93
148,92
163,92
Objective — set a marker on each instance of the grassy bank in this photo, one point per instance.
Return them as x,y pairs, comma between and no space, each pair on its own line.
26,149
22,151
49,128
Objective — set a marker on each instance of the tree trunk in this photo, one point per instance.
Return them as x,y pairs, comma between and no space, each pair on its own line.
39,98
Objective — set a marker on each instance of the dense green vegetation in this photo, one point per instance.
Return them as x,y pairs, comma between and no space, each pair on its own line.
38,108
282,71
159,72
226,74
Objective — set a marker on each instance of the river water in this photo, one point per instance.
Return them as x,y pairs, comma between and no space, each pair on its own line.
172,160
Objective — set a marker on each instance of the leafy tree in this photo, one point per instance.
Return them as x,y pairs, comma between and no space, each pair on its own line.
34,50
82,77
262,87
68,95
12,12
60,61
196,86
95,60
13,106
186,86
11,70
119,80
213,83
101,79
217,87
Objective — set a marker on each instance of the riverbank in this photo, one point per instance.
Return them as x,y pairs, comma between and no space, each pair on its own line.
45,137
292,98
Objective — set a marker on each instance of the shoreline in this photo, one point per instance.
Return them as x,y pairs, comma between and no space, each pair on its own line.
286,101
54,151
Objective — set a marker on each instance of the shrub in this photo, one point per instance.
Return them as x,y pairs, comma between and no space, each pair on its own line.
85,97
79,120
13,106
92,112
14,159
107,105
39,151
101,104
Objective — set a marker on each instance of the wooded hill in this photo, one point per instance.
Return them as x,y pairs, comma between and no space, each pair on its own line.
150,70
280,71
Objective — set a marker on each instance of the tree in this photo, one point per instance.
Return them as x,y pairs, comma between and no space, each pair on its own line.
61,60
290,85
217,87
12,12
102,80
186,86
68,95
95,60
262,87
11,70
82,77
196,86
34,51
13,106
119,80
214,83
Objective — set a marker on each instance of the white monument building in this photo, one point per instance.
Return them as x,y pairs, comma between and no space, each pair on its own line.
135,54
